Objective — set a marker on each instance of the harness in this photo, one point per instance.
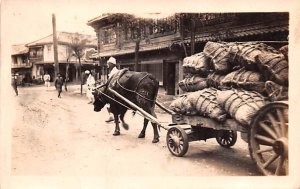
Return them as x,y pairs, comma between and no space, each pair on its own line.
136,88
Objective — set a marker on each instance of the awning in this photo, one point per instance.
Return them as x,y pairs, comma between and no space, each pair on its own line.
238,31
116,52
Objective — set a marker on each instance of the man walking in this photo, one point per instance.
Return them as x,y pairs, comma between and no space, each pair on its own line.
90,83
58,84
14,83
47,80
112,68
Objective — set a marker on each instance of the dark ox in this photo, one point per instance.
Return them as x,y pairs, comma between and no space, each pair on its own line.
139,87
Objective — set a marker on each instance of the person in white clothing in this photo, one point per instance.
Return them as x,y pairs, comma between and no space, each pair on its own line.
112,67
47,80
90,83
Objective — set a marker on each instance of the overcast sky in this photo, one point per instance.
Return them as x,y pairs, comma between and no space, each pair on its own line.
29,20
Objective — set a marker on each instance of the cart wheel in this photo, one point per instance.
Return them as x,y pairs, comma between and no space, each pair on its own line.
177,141
226,138
268,139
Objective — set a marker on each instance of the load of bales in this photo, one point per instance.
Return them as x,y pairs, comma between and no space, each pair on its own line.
232,80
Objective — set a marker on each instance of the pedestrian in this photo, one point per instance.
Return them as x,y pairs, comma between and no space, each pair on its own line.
58,84
112,68
90,83
47,80
14,83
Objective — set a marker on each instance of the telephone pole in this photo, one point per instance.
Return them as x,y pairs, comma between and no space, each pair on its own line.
56,67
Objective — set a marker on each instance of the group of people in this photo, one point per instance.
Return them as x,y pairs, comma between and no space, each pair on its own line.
90,83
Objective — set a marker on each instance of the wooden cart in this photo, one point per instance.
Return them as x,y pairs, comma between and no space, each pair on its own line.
267,136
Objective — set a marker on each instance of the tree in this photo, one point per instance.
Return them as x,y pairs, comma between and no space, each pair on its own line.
76,46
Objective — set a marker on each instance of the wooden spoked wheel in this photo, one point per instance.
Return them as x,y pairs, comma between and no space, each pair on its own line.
177,141
226,138
268,139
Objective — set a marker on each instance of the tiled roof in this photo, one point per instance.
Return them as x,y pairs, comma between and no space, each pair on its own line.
19,49
64,37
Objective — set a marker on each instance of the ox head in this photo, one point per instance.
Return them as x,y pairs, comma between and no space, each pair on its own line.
99,97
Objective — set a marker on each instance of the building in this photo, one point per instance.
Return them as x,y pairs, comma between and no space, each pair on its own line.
41,55
20,64
158,44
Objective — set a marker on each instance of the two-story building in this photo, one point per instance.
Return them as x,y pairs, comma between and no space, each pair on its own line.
20,63
41,55
158,45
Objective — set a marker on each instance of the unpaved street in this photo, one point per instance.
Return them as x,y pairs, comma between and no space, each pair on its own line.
65,137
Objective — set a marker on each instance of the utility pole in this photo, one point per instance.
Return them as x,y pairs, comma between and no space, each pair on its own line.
192,34
56,67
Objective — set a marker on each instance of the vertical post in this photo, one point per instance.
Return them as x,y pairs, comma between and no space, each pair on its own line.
192,35
56,66
137,48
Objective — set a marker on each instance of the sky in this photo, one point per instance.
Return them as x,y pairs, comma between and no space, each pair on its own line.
30,20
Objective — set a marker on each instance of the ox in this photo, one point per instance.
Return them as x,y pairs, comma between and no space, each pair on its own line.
138,87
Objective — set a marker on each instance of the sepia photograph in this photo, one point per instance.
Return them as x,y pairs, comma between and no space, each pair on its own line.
149,94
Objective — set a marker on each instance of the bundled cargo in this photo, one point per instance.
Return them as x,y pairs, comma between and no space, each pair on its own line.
183,106
245,54
193,83
285,51
196,64
219,55
243,79
214,80
240,105
276,92
274,67
205,103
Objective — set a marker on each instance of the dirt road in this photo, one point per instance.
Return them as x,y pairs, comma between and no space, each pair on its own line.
65,137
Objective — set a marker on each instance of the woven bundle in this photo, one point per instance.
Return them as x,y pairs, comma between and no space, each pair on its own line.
205,103
240,105
243,79
285,51
276,92
183,106
245,54
196,64
275,67
214,80
193,83
219,55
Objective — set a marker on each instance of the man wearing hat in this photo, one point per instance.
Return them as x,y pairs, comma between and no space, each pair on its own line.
112,67
90,83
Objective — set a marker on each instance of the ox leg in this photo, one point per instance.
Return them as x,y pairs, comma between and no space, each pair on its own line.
143,132
155,131
117,128
125,125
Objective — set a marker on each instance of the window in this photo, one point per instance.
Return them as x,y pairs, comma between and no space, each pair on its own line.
108,35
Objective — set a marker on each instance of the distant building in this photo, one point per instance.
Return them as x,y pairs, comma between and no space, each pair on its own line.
20,63
41,55
158,45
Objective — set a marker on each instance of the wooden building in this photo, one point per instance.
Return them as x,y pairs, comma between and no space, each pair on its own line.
158,44
20,64
41,55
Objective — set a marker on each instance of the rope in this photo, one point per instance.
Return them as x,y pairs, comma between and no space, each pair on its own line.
136,88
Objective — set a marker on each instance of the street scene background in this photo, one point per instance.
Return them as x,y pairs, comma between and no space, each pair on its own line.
47,137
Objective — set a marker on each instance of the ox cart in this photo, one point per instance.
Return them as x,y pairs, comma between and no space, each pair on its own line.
267,135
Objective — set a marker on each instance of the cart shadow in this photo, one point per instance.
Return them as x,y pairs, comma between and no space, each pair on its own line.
232,160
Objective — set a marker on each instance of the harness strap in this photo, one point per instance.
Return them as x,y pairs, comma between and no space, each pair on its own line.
135,88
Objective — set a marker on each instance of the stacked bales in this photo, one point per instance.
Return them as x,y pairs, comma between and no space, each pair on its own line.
232,79
203,102
241,105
